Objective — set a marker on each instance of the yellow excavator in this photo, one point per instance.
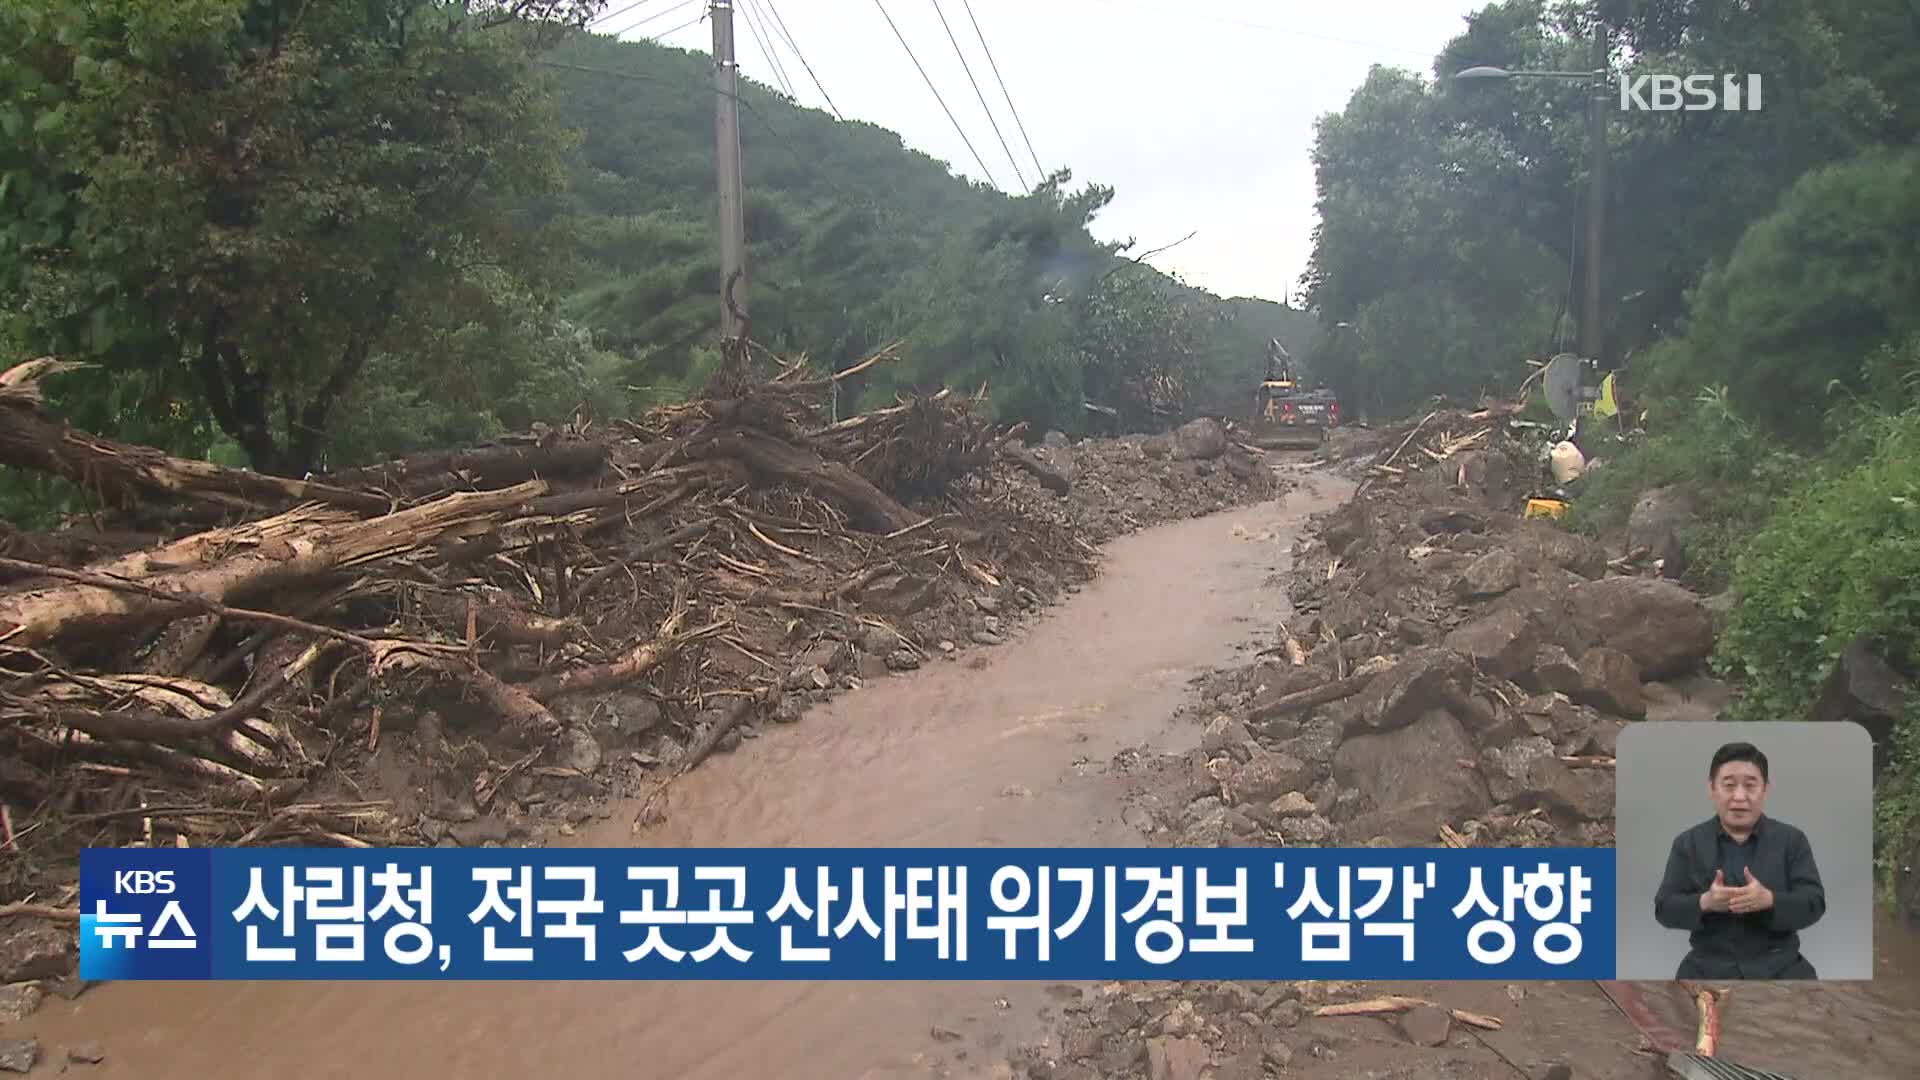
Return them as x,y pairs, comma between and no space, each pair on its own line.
1285,414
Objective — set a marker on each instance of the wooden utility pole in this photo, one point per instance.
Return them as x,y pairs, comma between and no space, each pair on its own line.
1591,339
733,222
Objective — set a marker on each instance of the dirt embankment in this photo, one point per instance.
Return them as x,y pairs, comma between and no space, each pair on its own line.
495,646
1451,674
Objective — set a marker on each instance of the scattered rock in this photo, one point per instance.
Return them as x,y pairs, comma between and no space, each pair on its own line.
1501,644
828,655
1530,774
20,1055
1223,734
1199,440
1119,1055
1426,1025
1176,1059
947,646
1658,524
479,832
903,660
1417,631
19,1001
1140,818
1423,678
1610,681
86,1053
1553,671
1275,1049
580,751
1491,574
987,637
789,710
1551,545
1267,776
900,594
1451,519
1312,831
1157,448
1663,626
1604,737
33,949
1293,804
879,640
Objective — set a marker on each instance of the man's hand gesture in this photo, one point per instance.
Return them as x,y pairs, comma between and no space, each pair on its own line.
1719,896
1750,897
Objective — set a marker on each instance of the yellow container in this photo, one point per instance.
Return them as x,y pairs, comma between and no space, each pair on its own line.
1547,508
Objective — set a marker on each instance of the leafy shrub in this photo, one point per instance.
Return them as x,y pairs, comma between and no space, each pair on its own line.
1732,470
1840,558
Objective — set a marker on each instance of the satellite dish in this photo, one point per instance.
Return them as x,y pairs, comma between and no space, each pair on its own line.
1562,385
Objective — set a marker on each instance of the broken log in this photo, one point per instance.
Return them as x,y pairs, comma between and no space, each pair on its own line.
631,665
1381,1006
292,547
121,472
481,467
497,619
776,460
1323,694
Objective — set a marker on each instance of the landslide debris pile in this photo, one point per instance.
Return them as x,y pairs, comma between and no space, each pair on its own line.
473,645
1450,675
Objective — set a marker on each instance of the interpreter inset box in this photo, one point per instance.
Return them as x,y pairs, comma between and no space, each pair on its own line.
1745,851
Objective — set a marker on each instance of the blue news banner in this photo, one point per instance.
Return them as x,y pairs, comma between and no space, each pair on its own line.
847,913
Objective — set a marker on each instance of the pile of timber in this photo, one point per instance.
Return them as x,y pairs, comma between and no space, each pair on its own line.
224,667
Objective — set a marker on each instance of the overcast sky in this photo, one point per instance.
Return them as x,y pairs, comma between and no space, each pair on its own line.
1199,114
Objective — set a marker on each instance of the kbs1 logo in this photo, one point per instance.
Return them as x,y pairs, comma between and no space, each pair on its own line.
1694,93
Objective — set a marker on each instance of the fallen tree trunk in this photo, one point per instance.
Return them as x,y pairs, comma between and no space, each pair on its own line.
636,662
481,467
121,472
274,553
773,459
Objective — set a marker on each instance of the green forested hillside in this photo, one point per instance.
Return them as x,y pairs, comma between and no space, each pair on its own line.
304,233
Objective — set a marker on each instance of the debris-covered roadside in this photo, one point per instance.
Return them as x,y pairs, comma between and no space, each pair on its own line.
1451,674
493,645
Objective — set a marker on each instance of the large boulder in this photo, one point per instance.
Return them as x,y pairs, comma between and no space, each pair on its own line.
1492,574
1200,440
1610,682
1502,643
1549,545
1425,678
1266,776
1658,524
1554,671
1662,626
1529,774
1415,764
1865,688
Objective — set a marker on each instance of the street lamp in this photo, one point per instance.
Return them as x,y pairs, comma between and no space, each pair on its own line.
1590,339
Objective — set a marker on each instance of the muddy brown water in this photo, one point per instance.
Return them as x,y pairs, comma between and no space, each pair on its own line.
1007,747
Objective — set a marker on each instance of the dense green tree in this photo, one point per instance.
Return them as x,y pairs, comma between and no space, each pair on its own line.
252,199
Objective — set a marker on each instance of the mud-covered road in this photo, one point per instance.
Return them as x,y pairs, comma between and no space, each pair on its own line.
1008,746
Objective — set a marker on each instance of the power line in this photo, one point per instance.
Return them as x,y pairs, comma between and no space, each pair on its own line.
1038,171
695,21
991,122
607,17
936,95
781,25
762,42
631,27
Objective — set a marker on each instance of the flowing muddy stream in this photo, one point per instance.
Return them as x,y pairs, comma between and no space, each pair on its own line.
1008,746
1005,747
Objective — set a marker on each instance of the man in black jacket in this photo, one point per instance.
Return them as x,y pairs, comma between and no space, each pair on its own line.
1744,884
